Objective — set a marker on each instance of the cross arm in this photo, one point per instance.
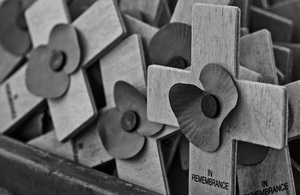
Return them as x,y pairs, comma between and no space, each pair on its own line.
294,100
183,13
160,80
260,114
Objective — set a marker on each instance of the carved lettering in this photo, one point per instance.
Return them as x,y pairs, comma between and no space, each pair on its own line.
270,190
11,102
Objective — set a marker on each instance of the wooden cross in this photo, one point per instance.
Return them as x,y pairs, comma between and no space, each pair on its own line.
215,40
295,48
281,28
126,63
258,48
96,37
284,63
153,12
289,10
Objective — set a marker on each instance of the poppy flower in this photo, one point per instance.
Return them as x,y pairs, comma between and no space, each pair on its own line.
50,66
14,35
171,46
123,130
200,114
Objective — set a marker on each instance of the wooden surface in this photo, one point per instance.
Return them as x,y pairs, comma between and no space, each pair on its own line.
284,62
16,102
245,11
101,27
264,172
49,143
148,169
293,93
257,50
150,9
41,22
135,26
280,27
250,75
251,177
125,62
248,120
79,108
8,63
37,172
88,147
289,10
295,48
183,10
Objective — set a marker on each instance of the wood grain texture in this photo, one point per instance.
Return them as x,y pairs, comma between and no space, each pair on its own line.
295,48
293,94
183,10
248,122
247,74
280,27
250,178
78,103
36,172
150,9
245,11
146,31
89,149
100,28
278,160
284,62
135,26
147,169
256,52
289,10
49,143
41,22
8,63
77,106
125,62
16,102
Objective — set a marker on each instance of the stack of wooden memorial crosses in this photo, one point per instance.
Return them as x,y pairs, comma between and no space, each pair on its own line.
180,97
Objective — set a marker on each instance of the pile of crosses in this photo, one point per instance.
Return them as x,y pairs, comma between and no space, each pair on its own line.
180,97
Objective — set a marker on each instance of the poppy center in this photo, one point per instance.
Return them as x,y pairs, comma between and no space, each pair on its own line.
129,120
177,62
210,106
58,60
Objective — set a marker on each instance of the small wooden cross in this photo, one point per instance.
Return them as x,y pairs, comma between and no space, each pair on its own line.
153,12
263,19
215,40
284,63
258,48
289,10
295,48
75,110
126,63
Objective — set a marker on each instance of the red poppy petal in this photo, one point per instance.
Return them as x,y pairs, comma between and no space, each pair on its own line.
128,98
41,80
63,37
13,38
117,142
